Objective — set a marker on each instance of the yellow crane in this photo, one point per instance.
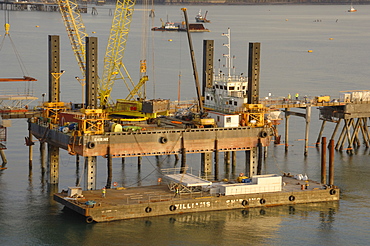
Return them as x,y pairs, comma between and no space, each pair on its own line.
75,29
114,68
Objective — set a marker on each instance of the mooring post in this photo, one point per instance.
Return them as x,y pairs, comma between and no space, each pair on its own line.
77,170
183,156
42,156
233,162
109,170
308,120
259,161
183,160
123,161
331,162
323,160
139,159
227,163
247,163
30,150
286,128
216,159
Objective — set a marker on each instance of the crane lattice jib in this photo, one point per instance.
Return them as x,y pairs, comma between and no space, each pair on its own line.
135,90
115,49
75,29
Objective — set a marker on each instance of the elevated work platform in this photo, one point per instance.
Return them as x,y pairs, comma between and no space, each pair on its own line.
151,142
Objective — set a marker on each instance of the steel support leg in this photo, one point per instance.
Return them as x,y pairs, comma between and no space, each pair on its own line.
90,173
251,162
53,164
308,120
206,164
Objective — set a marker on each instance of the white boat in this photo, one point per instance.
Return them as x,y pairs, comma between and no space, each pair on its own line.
352,9
229,92
199,17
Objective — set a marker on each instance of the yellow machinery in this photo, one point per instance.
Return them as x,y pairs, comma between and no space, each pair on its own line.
321,99
51,110
254,115
91,121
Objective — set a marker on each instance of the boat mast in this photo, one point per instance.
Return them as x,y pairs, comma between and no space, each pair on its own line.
228,60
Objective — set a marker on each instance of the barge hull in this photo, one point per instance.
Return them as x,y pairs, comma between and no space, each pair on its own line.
109,209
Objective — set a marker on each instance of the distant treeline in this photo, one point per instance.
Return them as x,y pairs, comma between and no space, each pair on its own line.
257,2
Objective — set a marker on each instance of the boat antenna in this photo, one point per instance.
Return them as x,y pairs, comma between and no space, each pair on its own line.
228,60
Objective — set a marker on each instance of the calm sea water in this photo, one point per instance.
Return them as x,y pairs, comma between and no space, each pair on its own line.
339,61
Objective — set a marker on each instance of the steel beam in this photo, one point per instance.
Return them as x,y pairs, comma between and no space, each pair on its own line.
254,73
208,49
91,72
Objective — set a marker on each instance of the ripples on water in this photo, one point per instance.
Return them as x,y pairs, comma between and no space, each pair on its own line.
28,216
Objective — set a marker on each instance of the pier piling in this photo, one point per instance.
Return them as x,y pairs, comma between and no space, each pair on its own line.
331,162
323,160
30,151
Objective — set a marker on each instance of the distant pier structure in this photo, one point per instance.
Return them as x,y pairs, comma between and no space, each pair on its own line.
35,6
29,6
352,108
354,113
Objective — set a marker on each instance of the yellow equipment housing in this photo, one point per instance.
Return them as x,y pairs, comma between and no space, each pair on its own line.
253,115
52,109
321,99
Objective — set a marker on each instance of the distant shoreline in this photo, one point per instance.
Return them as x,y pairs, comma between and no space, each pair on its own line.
253,2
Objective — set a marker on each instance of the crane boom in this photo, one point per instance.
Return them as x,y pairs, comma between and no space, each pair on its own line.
195,71
115,50
75,29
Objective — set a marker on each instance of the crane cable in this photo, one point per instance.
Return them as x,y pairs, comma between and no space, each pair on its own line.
20,62
7,34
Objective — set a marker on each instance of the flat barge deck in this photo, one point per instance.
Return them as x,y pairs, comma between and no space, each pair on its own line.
156,200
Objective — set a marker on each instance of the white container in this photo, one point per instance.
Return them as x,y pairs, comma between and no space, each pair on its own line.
72,191
224,120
